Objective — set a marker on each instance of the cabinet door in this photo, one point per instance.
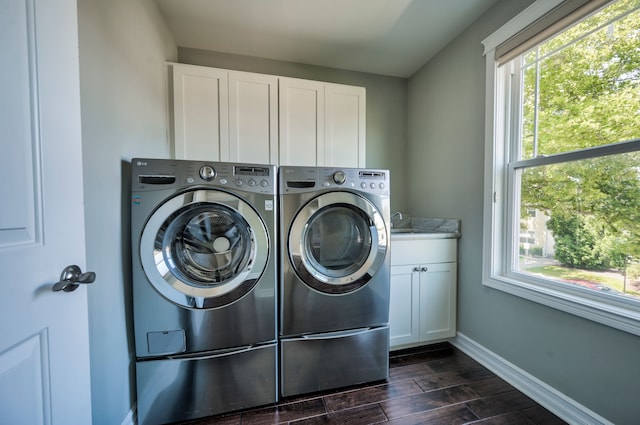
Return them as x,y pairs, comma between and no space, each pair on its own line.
301,122
437,301
253,118
404,305
200,113
344,126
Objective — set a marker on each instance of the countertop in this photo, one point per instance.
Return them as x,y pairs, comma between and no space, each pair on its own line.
409,228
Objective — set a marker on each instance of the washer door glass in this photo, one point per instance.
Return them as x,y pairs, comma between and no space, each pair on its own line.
204,249
337,242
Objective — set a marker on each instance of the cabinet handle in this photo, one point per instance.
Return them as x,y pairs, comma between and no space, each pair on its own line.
416,269
424,269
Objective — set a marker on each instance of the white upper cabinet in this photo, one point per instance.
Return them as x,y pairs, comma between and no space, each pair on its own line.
322,124
253,118
344,126
224,115
301,122
200,113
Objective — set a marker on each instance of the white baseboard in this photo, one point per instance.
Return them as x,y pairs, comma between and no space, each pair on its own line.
553,400
130,419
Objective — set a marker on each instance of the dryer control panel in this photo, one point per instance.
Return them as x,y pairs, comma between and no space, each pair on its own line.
154,174
304,179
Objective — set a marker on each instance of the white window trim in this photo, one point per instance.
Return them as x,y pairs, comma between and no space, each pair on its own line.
609,310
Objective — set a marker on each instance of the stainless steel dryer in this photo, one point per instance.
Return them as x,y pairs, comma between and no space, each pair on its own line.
334,299
204,287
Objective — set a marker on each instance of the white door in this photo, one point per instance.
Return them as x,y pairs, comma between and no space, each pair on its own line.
44,348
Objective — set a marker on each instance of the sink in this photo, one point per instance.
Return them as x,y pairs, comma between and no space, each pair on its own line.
413,233
408,230
425,228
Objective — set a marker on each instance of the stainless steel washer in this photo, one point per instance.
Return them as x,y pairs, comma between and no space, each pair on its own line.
334,299
204,287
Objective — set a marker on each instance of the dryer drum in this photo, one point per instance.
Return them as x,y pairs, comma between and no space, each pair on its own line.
337,242
204,249
207,246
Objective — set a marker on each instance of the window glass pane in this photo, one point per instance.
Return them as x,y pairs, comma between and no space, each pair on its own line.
580,223
582,88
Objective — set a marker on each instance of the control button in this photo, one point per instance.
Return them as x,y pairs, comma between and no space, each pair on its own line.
264,183
382,186
207,172
363,185
372,185
223,181
326,184
239,182
252,182
339,177
190,180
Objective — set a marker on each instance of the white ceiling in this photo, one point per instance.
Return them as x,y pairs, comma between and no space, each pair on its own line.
388,37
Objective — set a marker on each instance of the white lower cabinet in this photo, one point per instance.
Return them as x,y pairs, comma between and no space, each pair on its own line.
423,291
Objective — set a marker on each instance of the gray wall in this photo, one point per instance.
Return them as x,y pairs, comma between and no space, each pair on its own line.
123,48
593,364
386,106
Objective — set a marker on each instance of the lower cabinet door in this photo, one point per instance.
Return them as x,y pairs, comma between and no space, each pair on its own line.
404,305
438,301
332,360
179,389
422,305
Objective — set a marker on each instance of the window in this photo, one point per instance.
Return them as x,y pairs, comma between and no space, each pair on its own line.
562,210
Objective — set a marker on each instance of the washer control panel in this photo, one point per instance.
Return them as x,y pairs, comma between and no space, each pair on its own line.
152,174
303,179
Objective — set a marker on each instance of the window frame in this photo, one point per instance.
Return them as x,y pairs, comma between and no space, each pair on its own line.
498,238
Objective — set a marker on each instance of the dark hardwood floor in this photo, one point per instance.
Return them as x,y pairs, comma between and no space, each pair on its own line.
436,384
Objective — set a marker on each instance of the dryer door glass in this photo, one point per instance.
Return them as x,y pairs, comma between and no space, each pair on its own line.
204,248
337,242
206,244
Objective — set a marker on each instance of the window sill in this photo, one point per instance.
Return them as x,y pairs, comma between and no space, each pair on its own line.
614,311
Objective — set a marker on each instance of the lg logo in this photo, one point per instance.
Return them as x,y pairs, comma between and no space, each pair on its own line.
141,163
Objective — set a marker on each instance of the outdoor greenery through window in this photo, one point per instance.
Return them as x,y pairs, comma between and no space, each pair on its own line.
574,161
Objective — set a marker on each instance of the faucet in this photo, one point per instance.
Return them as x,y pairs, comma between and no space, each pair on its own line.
395,214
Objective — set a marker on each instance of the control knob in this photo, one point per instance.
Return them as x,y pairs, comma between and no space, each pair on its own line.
339,177
207,172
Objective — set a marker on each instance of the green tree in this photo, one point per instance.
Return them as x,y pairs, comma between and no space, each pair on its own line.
581,94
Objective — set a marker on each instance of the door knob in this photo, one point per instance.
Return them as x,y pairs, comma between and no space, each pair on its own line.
71,277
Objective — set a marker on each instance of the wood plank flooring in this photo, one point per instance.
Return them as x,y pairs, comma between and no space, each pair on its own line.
436,384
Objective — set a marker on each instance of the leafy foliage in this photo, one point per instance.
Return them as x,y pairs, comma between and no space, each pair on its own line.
582,90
